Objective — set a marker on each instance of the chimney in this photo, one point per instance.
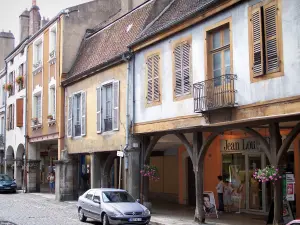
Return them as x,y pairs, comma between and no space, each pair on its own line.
34,18
7,44
24,25
44,21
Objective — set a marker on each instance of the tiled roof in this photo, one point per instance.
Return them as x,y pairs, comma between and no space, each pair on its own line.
177,11
109,42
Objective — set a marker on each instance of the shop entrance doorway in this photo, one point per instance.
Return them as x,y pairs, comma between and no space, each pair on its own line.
191,183
249,195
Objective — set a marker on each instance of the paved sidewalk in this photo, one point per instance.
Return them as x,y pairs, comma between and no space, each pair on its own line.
167,214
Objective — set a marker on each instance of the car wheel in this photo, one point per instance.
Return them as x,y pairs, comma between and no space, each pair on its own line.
105,220
81,215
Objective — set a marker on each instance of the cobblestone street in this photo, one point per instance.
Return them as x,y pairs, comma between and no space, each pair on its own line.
35,209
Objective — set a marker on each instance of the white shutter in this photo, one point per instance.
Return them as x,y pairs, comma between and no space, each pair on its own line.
178,70
150,80
98,113
83,113
70,116
156,88
115,122
186,68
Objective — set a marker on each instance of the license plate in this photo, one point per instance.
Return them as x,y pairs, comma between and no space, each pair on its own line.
7,188
135,219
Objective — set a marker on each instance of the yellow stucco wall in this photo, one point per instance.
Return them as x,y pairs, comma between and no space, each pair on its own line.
93,142
43,80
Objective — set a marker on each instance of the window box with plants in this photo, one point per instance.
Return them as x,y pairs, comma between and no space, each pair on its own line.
35,121
8,87
20,82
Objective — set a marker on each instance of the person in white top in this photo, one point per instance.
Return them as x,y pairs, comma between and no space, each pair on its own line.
220,188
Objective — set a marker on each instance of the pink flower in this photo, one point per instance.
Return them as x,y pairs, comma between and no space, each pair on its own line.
279,176
270,177
275,178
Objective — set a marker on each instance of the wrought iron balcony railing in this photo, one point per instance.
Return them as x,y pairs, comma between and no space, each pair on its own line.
215,93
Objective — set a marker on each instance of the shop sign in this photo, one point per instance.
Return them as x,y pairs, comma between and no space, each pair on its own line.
290,188
246,144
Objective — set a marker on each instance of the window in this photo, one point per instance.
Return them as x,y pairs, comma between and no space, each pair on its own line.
21,70
20,78
108,106
37,109
2,125
11,84
52,106
117,196
52,41
89,195
10,117
182,69
77,115
153,83
219,53
3,94
265,41
38,54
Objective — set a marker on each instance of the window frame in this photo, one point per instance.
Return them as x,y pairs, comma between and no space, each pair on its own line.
73,114
174,44
52,108
38,41
37,92
148,55
208,65
266,75
52,47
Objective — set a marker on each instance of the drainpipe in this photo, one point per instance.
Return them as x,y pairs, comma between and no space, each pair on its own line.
26,130
4,132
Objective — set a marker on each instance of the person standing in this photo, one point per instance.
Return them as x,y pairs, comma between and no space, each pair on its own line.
220,189
227,196
51,179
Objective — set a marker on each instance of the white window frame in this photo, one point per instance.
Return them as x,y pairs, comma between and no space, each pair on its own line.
101,86
52,47
37,92
37,42
2,125
51,107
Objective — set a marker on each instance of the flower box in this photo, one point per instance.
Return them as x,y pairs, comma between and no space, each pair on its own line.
268,174
8,87
35,121
151,172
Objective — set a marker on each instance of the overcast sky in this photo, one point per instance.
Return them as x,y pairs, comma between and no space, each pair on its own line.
11,9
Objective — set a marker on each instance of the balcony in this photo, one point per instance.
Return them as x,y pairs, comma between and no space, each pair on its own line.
216,93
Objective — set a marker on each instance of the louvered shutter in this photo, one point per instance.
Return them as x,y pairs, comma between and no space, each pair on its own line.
8,118
257,40
115,122
13,117
70,116
149,80
186,68
271,39
178,70
98,113
83,113
156,88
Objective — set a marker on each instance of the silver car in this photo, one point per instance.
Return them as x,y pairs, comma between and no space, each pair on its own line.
111,206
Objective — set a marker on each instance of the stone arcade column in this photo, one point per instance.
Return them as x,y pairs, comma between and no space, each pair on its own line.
33,169
96,170
18,173
66,172
133,172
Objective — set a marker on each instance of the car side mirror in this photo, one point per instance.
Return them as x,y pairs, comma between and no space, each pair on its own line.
97,200
138,200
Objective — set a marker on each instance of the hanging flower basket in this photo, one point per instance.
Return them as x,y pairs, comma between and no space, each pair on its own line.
268,174
151,172
8,87
20,80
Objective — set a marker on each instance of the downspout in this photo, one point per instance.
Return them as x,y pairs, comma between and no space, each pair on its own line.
26,129
4,135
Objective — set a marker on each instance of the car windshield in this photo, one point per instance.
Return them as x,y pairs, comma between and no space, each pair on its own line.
116,196
5,178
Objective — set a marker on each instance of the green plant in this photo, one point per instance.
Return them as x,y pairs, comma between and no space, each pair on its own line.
20,80
270,173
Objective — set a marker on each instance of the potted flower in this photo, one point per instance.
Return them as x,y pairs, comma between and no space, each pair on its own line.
268,174
8,87
151,172
35,121
20,80
50,117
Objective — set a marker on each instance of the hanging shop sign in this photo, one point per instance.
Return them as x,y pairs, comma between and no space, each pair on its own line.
290,187
245,144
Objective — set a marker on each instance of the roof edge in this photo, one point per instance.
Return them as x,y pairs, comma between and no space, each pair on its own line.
20,46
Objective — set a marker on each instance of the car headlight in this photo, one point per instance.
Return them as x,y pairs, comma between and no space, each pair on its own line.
146,212
13,184
115,214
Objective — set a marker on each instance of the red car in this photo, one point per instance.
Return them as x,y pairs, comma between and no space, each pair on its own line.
294,222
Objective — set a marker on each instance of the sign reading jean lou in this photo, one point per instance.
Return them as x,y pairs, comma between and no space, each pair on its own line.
240,145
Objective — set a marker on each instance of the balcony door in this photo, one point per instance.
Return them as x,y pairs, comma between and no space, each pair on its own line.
220,88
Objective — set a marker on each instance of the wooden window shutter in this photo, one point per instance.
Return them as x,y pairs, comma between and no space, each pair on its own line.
98,113
178,70
8,118
156,69
257,43
186,68
116,98
83,113
70,116
271,37
149,79
19,112
13,116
